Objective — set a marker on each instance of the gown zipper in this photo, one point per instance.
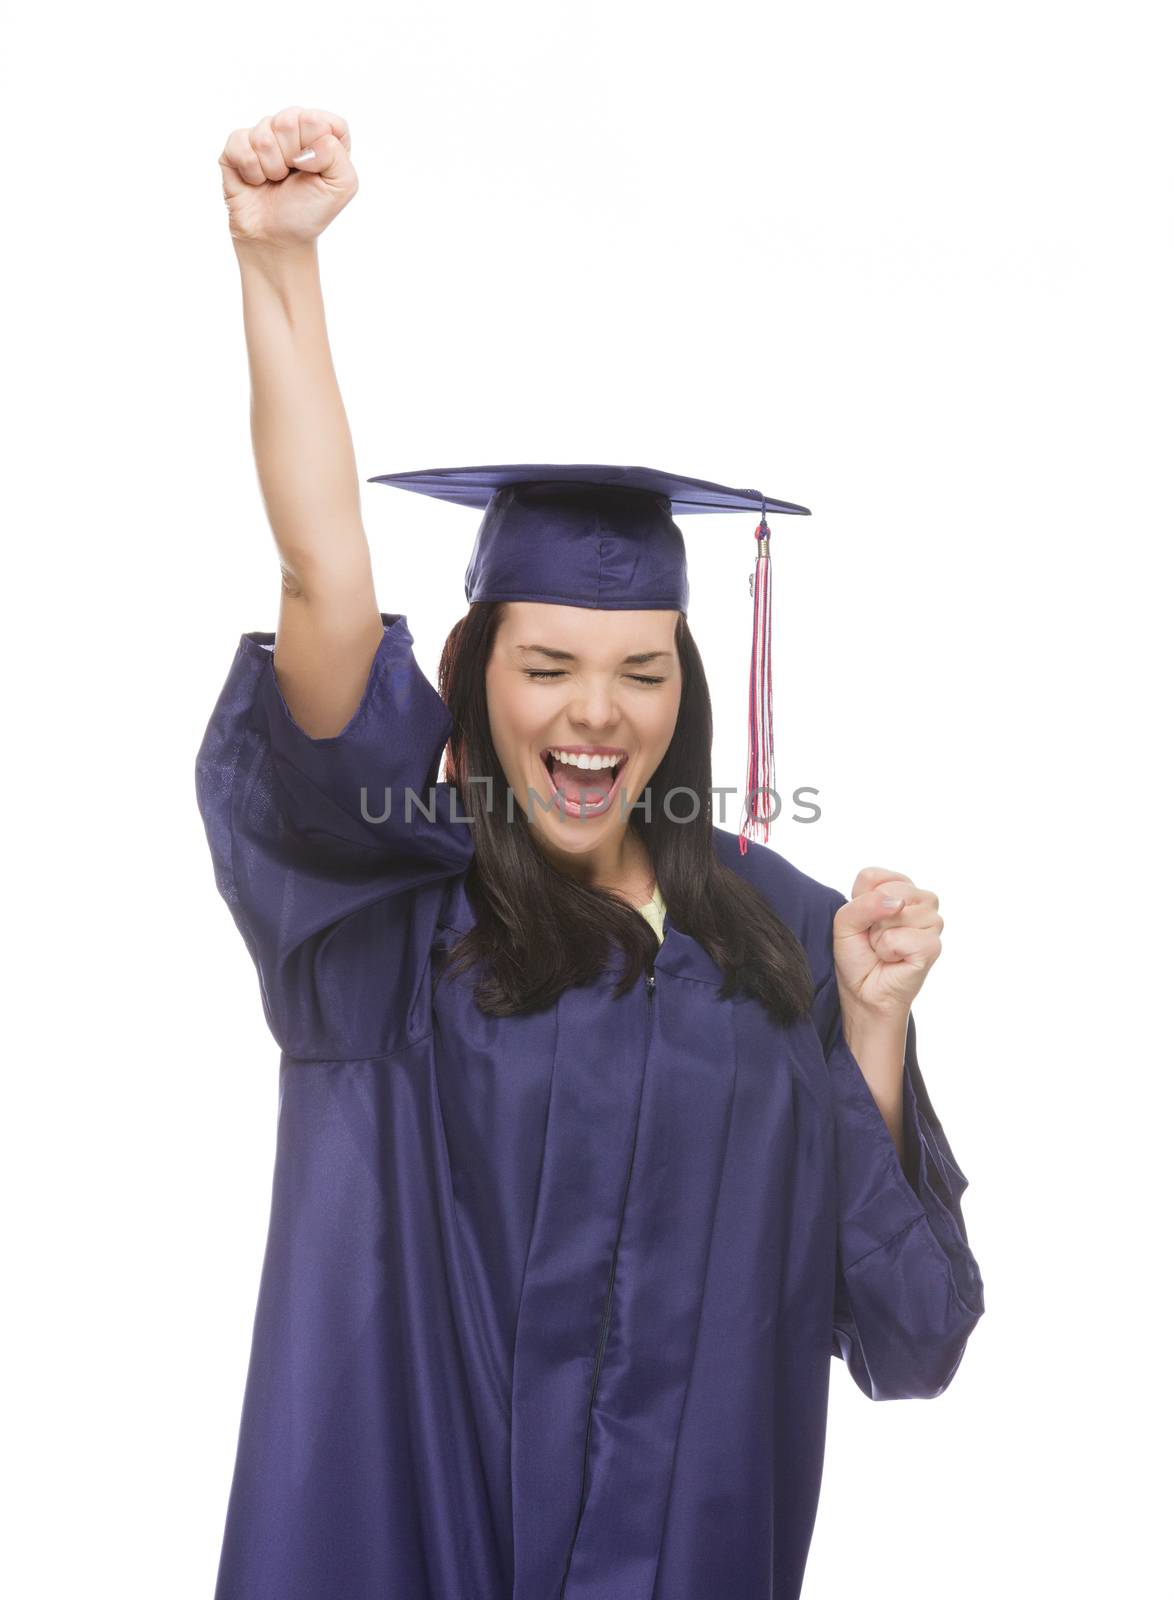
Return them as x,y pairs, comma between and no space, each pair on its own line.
601,1343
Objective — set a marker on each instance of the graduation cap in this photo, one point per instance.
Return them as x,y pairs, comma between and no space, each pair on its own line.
604,537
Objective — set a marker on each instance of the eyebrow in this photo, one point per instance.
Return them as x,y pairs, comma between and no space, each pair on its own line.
566,655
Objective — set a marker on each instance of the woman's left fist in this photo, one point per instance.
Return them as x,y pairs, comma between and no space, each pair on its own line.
882,950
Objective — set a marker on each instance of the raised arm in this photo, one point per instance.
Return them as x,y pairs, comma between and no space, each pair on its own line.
329,626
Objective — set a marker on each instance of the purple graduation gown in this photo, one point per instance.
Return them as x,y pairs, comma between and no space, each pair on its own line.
548,1303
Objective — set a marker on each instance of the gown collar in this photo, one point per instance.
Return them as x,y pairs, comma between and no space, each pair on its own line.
678,956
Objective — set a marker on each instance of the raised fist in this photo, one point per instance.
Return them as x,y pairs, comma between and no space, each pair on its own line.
885,940
288,177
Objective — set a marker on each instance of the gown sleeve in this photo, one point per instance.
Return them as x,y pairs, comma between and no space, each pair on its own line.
908,1288
323,881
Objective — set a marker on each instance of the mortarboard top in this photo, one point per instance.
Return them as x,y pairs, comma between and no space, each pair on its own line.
604,537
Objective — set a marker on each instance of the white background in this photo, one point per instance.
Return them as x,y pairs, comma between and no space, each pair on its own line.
908,265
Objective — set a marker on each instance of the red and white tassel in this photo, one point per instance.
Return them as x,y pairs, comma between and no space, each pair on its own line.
760,766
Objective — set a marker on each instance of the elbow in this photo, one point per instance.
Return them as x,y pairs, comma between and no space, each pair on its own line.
904,1316
291,584
890,1367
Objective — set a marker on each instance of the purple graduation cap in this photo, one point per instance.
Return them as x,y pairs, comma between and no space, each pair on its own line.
604,537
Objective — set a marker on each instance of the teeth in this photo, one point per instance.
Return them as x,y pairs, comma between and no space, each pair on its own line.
588,763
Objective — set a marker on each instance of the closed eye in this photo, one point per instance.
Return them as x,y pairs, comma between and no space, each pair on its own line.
636,677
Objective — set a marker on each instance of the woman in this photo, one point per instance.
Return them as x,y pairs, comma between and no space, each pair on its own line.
598,1137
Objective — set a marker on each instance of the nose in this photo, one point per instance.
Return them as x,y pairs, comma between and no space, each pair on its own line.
594,709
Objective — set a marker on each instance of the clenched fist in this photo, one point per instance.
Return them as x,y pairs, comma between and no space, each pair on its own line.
882,951
287,178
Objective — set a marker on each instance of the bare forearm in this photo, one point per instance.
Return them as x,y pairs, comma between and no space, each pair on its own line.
879,1049
301,437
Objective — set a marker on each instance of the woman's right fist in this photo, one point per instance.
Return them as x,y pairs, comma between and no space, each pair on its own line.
272,197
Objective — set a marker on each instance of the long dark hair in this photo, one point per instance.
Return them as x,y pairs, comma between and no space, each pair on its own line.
538,930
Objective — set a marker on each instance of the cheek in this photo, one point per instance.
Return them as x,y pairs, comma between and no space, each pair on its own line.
663,721
511,720
497,708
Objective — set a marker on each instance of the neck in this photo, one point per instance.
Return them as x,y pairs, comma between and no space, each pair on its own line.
622,865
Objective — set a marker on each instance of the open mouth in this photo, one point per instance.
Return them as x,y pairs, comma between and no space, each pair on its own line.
584,791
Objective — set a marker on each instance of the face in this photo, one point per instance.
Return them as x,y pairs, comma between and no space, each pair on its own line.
581,682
